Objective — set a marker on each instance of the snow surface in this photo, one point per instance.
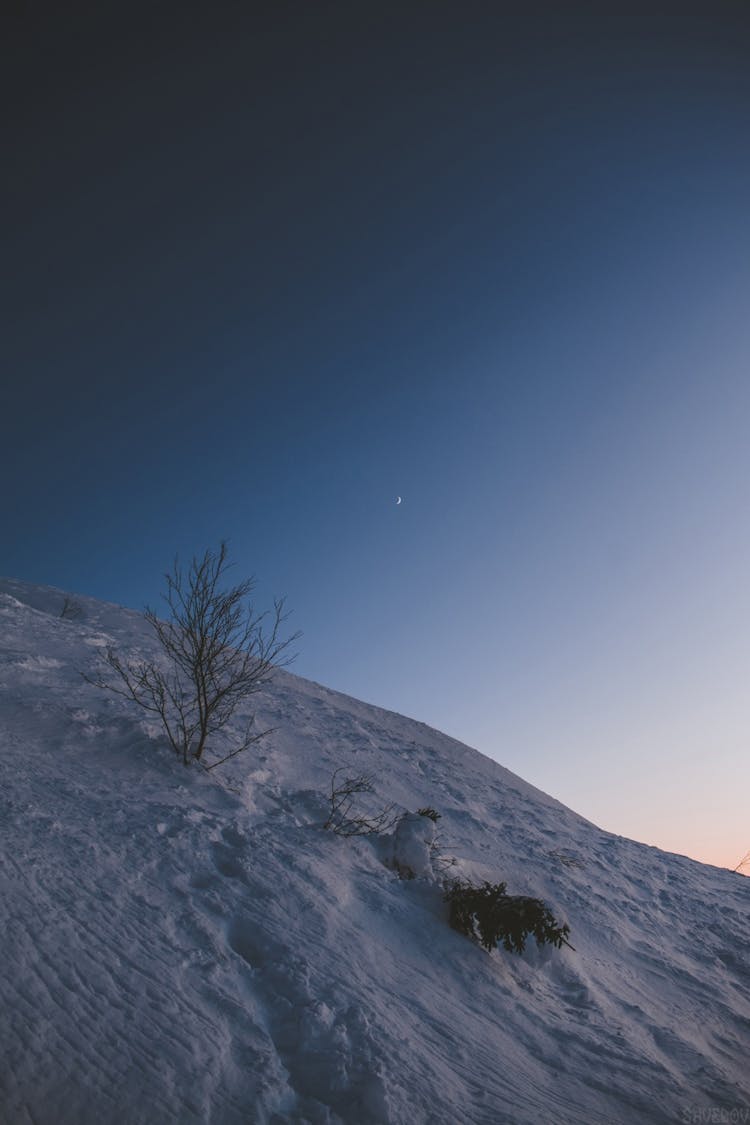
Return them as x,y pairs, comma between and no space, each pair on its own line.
181,946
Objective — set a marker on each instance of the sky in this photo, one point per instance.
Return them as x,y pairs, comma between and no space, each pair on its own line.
265,273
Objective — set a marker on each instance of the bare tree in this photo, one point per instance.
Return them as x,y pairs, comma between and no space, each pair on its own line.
343,819
216,652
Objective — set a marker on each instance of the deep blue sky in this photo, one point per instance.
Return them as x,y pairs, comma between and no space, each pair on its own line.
264,274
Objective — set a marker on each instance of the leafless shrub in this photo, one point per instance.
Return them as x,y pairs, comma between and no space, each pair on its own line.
216,652
744,862
344,819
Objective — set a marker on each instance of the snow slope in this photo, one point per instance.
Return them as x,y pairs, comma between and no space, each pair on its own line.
187,947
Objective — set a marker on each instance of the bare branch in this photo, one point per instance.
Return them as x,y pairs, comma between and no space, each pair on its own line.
743,862
244,746
342,820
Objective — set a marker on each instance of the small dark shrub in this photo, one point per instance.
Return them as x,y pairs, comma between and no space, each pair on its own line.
430,813
489,915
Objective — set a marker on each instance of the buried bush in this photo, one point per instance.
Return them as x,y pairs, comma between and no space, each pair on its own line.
487,914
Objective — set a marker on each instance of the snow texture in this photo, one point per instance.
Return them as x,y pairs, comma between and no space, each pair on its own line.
189,947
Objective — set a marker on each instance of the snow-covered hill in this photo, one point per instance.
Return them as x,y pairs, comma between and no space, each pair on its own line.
185,947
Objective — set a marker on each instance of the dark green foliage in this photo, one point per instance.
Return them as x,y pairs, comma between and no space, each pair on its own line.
490,916
430,813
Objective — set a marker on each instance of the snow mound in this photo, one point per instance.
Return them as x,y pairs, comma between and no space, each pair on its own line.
413,846
188,947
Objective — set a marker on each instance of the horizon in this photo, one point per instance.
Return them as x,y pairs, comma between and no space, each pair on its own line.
267,276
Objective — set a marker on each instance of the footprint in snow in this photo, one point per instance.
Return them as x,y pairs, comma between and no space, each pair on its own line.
227,862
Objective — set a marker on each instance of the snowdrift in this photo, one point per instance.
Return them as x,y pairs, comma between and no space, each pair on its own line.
182,946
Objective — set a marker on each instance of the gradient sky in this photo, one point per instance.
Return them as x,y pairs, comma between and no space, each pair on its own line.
263,275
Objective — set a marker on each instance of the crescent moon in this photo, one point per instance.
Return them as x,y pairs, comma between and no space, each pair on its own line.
398,499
